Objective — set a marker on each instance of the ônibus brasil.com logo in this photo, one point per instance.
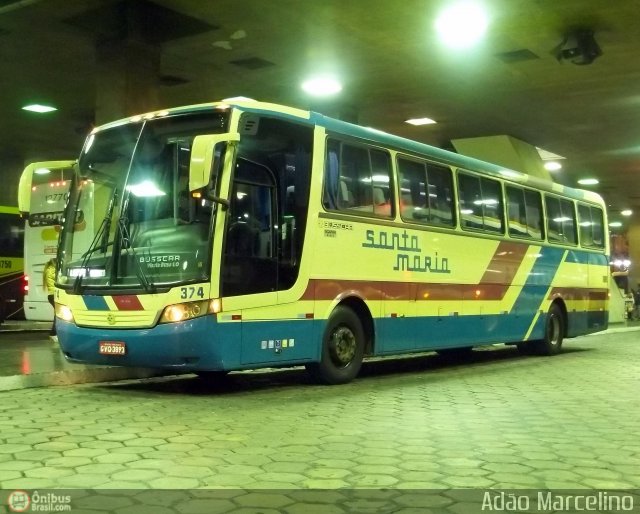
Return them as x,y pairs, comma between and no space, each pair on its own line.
22,501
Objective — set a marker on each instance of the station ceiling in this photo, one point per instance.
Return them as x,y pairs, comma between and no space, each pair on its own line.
385,52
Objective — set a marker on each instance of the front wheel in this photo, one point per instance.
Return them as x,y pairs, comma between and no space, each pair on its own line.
342,349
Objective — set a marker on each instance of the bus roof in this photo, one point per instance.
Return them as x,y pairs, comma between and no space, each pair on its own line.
376,136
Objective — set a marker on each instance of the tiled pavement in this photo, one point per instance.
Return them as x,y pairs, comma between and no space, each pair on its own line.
498,420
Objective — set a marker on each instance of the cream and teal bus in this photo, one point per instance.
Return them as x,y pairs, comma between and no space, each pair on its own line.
240,235
43,194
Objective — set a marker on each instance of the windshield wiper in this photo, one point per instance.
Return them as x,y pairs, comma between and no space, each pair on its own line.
102,236
125,243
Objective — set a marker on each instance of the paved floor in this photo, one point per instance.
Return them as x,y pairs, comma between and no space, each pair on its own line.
497,421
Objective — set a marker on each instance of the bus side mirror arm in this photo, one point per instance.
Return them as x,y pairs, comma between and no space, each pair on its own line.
222,201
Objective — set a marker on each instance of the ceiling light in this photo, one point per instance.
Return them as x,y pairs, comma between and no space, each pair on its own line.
39,108
322,86
238,99
615,224
627,212
552,166
462,25
42,171
420,121
588,181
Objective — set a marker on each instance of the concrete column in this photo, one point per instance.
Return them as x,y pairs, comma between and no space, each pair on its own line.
11,166
127,79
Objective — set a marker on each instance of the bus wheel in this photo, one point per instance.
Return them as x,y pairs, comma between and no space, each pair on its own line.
342,349
553,333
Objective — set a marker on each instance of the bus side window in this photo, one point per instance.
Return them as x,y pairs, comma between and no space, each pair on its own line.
357,178
560,220
517,212
470,196
590,221
584,222
439,195
524,210
535,220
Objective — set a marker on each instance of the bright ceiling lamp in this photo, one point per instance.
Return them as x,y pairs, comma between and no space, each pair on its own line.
42,171
615,224
462,24
39,108
588,181
552,166
321,86
627,212
420,121
238,99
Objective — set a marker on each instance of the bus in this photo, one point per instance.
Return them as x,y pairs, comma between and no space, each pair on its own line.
43,192
240,235
11,263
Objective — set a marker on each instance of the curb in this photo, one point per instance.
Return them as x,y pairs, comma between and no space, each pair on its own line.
76,376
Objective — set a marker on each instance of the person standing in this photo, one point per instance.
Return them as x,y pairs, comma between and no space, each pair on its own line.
49,285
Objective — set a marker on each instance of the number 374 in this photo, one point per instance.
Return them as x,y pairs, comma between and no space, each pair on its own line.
187,293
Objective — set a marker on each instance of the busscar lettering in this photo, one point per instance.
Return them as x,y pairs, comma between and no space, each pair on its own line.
160,261
403,243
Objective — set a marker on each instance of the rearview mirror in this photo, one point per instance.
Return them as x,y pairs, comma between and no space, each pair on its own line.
207,156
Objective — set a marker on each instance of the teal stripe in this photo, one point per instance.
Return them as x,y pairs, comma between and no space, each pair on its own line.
95,303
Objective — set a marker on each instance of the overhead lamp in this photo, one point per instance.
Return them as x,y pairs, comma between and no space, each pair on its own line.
322,86
588,181
420,121
552,166
39,108
42,171
238,99
627,212
462,24
615,224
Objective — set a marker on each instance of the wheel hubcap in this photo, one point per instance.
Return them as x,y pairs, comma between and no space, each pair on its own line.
342,346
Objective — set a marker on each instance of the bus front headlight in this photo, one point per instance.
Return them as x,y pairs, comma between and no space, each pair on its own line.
64,313
185,311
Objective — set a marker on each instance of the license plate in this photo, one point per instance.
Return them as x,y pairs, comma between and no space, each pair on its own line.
112,348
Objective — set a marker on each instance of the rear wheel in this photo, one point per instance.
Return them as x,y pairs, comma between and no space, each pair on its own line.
553,335
342,348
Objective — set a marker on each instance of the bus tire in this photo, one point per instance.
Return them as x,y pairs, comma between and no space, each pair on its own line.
553,333
342,349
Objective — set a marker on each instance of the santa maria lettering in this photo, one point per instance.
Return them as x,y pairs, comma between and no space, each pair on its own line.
409,255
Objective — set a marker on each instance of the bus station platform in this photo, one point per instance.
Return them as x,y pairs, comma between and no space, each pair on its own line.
29,358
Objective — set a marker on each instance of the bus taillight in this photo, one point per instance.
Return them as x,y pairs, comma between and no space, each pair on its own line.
25,286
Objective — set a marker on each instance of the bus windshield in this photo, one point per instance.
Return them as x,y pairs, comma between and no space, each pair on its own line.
131,222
